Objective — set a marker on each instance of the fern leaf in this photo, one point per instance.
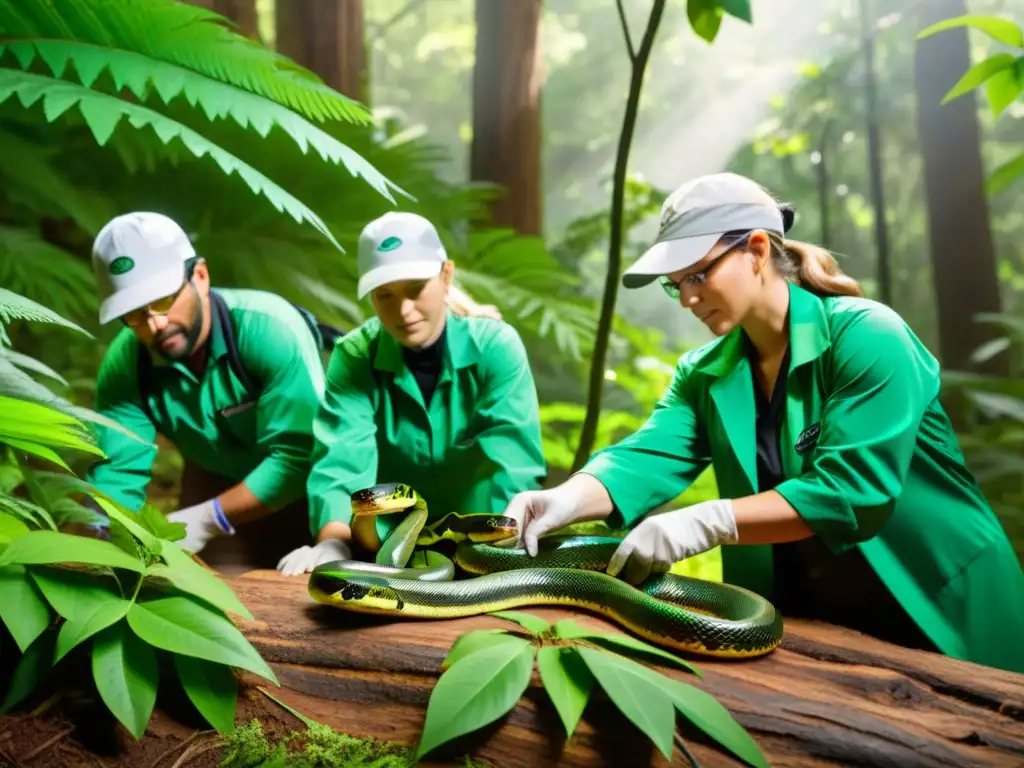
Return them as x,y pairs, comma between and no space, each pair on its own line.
186,35
14,306
31,364
40,271
102,112
142,75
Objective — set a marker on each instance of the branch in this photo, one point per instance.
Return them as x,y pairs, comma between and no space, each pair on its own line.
611,283
625,31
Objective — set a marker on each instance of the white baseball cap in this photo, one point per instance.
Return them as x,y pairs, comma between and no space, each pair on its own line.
138,258
696,216
398,246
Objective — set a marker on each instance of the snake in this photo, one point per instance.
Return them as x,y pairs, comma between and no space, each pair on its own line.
674,611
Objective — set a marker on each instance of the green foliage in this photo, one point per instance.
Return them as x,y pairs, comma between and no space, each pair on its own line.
1001,74
487,671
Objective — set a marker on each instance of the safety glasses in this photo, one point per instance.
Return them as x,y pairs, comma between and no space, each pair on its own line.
139,317
674,288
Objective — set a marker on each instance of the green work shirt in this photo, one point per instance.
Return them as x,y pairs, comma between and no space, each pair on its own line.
264,442
869,459
475,446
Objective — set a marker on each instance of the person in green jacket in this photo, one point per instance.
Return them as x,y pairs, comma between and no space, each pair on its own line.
418,395
844,494
232,378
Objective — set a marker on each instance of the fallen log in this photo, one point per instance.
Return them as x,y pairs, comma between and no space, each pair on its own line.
828,696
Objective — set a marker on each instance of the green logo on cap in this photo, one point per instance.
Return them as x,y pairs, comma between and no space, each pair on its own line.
120,265
389,244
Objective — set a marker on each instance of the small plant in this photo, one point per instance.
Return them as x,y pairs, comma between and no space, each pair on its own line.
1002,76
488,671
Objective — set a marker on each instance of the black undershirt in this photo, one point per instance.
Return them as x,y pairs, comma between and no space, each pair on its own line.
425,365
809,580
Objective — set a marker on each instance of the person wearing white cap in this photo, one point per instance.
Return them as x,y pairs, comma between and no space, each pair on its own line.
232,378
418,395
844,493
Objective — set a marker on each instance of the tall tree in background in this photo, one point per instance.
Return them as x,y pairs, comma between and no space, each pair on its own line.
327,37
963,254
506,110
242,12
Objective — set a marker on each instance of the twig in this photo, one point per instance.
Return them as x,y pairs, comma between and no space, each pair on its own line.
625,31
195,751
13,761
588,432
168,752
686,751
48,743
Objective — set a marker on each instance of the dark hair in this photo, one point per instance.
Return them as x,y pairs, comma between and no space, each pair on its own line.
809,266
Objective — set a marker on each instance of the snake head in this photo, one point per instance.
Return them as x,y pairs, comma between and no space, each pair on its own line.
498,527
357,591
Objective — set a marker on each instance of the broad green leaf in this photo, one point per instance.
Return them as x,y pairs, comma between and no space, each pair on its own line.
148,540
567,629
42,547
1003,30
188,576
640,699
22,609
475,692
33,667
31,364
26,421
705,18
212,688
10,528
99,109
1005,175
1003,88
568,682
31,514
187,626
978,74
480,640
157,522
75,594
527,620
991,402
126,673
704,711
78,630
36,449
738,8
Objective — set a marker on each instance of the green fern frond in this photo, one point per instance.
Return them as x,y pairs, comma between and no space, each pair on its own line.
37,270
102,113
142,76
13,306
182,34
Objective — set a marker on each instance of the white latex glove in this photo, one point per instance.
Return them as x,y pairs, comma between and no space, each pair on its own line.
661,540
202,523
305,559
539,512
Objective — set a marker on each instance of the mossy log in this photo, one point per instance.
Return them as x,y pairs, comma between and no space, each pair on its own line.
828,696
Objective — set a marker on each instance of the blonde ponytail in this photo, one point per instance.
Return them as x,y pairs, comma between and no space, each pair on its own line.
812,268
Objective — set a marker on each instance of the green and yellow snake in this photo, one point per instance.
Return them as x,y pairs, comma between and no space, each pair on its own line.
674,611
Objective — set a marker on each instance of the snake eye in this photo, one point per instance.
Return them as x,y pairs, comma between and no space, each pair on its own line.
492,523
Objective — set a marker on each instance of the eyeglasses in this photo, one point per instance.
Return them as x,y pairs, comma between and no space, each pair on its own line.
674,288
139,317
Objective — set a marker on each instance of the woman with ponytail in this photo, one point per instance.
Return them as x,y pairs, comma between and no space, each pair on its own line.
844,493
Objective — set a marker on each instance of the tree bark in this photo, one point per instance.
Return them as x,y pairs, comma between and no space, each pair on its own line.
328,38
828,696
242,12
963,254
506,143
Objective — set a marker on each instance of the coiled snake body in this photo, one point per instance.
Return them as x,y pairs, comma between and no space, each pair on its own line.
674,611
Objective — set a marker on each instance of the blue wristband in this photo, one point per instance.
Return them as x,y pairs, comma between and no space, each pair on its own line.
221,519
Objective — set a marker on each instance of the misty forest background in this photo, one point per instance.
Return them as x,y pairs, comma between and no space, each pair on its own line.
502,118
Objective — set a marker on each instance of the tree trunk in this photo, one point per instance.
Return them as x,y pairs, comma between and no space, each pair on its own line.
328,38
242,12
963,254
828,696
506,110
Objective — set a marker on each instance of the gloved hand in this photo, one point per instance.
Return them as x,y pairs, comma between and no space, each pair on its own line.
539,512
202,523
661,540
305,559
